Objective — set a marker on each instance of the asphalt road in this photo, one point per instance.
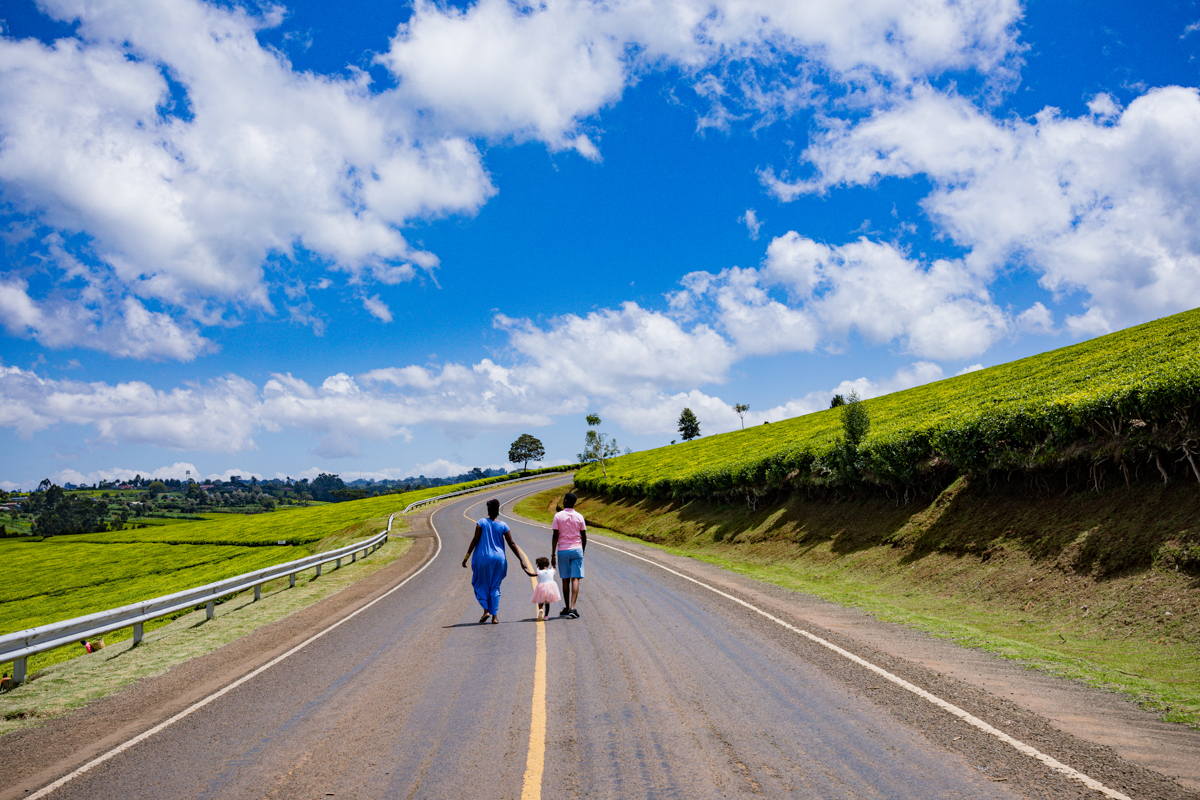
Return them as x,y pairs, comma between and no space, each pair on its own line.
661,689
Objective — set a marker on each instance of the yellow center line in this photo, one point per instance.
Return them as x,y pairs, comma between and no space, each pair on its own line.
537,723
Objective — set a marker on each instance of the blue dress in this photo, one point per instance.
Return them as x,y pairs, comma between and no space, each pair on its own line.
489,564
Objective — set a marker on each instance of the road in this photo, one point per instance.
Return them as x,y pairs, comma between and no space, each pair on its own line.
663,688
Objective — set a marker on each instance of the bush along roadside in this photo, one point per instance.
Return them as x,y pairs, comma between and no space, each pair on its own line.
1123,407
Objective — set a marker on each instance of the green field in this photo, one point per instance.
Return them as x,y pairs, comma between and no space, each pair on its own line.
1128,399
64,580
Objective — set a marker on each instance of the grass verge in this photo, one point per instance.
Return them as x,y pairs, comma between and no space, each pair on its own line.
990,570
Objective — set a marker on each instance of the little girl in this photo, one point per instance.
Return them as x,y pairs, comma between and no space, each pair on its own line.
547,588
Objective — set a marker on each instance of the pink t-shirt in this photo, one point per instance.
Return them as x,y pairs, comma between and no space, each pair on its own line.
569,523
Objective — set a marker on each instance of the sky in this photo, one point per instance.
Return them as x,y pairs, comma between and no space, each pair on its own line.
386,239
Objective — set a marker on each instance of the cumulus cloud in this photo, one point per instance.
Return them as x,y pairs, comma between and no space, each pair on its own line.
501,68
936,310
1102,205
218,417
190,155
250,159
123,328
616,350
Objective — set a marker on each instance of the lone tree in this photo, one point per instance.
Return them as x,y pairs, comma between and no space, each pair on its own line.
597,446
838,400
741,409
855,424
855,420
689,426
525,449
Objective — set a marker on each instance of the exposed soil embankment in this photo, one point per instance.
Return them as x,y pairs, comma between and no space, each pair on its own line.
1100,586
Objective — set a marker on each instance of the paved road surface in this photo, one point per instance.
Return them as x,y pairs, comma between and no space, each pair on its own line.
662,689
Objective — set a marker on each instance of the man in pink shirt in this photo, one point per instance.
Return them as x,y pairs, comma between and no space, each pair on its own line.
566,552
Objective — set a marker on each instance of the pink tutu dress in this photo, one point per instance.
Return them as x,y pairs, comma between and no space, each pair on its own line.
547,587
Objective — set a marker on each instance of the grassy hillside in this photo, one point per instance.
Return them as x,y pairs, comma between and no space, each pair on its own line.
1127,402
1100,587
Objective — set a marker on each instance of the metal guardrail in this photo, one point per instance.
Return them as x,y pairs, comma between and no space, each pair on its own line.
411,506
19,646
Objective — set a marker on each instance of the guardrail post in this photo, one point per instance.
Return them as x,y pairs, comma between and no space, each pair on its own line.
318,570
354,557
210,609
19,671
137,634
292,581
257,592
339,564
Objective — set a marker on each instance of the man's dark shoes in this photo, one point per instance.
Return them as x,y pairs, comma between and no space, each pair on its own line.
566,612
574,613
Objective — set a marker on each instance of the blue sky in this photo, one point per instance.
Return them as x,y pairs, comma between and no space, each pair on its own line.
387,239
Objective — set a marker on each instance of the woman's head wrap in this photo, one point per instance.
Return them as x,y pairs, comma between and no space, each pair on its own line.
493,507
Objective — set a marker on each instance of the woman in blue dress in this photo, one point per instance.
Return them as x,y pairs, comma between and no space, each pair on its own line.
489,565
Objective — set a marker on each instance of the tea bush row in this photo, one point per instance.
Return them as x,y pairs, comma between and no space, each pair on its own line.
1118,398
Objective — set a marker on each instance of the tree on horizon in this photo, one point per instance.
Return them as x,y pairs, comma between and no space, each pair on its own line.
525,449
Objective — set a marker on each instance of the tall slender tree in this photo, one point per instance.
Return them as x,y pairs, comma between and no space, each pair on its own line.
689,426
597,446
741,409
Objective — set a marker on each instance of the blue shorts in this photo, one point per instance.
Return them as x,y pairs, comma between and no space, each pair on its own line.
570,563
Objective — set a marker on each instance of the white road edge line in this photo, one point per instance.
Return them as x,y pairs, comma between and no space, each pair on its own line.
216,695
965,716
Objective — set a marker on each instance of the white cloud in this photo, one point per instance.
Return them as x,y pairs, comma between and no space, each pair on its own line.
377,308
190,154
122,328
501,68
971,368
218,417
1104,205
1035,319
939,310
184,208
751,221
612,351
